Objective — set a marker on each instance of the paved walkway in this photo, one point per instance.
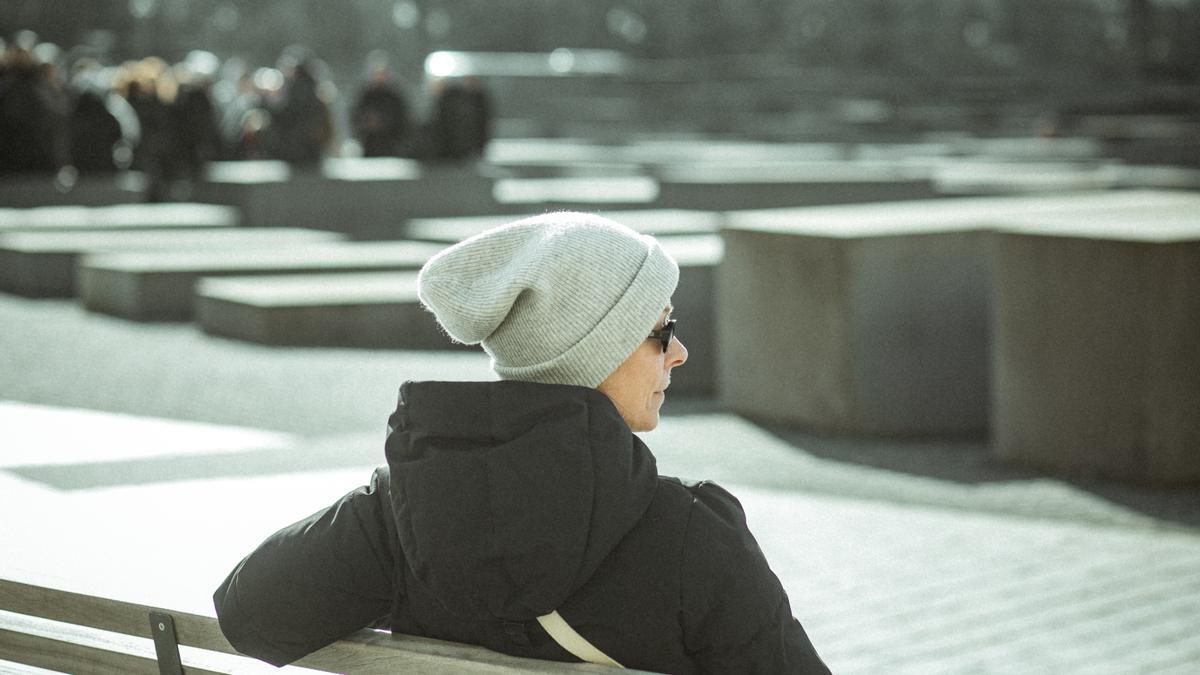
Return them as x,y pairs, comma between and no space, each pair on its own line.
899,557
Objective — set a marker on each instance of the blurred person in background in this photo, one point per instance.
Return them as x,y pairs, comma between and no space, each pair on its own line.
34,106
150,88
381,114
301,119
96,135
462,119
197,139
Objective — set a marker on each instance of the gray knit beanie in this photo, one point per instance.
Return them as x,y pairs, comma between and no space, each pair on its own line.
560,298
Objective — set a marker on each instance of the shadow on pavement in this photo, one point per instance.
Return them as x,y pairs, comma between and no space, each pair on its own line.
970,462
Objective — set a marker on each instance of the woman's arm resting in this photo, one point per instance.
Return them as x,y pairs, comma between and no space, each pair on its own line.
313,582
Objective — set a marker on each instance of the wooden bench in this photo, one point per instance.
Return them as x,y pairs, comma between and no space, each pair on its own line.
158,285
43,264
46,627
874,318
1096,343
118,217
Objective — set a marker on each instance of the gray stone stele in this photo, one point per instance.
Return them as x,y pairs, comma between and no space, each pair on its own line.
178,215
44,264
875,319
158,285
1096,346
722,187
657,222
363,310
369,198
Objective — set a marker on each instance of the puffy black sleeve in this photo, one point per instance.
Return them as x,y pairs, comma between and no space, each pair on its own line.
736,614
315,581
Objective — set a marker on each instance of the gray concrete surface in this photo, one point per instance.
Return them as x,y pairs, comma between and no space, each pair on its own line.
32,190
721,186
352,309
876,318
44,264
118,217
158,285
1096,349
908,557
648,221
366,198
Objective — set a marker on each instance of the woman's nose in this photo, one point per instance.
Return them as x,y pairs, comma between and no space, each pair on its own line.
677,353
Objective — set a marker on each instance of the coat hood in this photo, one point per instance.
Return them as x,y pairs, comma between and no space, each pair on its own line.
508,495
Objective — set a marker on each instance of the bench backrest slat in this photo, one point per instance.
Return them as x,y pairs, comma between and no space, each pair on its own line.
106,614
29,635
69,656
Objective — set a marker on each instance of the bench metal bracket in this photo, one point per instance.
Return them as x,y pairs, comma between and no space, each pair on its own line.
166,646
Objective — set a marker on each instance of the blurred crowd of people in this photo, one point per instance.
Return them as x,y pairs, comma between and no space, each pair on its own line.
77,114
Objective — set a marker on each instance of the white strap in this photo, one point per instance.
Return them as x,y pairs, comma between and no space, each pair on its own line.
568,639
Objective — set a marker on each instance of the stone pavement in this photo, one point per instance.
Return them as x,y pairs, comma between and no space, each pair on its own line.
921,557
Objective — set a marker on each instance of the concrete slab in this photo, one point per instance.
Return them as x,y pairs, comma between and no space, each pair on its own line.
1031,148
1096,347
764,185
685,151
368,198
367,310
118,217
1158,177
874,318
32,190
647,221
578,193
43,264
566,169
158,285
976,176
534,151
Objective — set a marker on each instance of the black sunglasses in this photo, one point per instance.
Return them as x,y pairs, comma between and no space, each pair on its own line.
664,334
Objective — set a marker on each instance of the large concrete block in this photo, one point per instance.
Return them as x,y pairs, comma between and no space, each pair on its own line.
720,187
118,217
367,310
43,264
522,195
874,318
881,335
158,285
647,221
366,198
32,190
1096,348
989,176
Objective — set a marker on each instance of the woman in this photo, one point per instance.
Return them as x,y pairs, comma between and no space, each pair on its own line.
524,515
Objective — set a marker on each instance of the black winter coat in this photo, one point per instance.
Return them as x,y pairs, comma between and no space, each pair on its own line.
503,501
